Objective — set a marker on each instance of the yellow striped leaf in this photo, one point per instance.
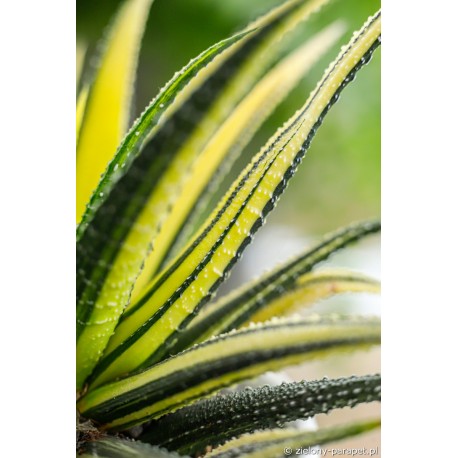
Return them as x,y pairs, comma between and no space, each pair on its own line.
135,194
315,286
107,110
152,325
110,247
279,290
223,361
228,142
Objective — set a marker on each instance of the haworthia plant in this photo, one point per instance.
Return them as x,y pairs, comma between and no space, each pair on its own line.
125,219
154,357
141,336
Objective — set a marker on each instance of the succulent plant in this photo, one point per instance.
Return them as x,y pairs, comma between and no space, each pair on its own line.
154,350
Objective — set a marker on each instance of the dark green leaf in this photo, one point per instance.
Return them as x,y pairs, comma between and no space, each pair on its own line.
213,421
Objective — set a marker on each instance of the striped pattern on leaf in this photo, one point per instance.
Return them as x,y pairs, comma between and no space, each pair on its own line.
272,28
265,297
223,361
146,330
271,444
108,106
135,194
315,286
214,421
107,264
223,148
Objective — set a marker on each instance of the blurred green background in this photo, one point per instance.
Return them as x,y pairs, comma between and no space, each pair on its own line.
339,180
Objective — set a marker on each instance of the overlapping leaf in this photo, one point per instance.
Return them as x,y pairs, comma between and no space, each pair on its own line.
277,291
106,270
196,126
142,182
221,362
227,143
153,324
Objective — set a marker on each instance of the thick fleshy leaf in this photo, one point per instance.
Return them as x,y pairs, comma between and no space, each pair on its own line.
221,362
107,111
315,286
143,180
306,290
228,142
115,447
243,63
277,291
106,271
214,421
147,329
